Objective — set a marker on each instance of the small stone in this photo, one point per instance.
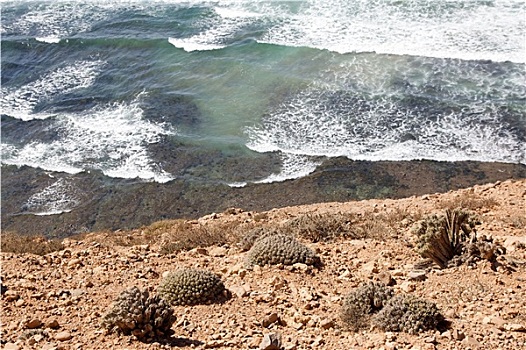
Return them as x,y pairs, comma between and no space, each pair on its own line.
417,275
34,323
457,335
271,341
11,295
63,336
515,327
239,291
301,267
385,278
201,251
74,262
407,287
326,324
471,342
270,319
217,251
20,302
53,324
11,346
370,268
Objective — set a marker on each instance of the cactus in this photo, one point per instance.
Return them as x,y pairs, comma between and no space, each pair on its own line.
407,313
361,303
280,249
192,286
137,313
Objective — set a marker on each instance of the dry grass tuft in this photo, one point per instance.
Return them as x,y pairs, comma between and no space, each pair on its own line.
469,201
321,227
20,244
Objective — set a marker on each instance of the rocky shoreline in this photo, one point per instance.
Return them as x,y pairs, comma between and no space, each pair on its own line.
101,202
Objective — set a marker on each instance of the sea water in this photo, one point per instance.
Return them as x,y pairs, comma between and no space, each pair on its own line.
162,90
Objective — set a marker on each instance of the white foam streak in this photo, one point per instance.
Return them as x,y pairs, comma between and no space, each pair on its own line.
194,44
293,167
112,139
48,39
57,198
20,102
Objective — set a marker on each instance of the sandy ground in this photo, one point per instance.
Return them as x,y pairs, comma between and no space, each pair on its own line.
56,301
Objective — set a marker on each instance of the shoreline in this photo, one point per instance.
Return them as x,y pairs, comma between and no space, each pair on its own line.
113,204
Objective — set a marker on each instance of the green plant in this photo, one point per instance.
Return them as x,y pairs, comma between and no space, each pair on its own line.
407,313
281,249
137,313
440,238
190,286
362,302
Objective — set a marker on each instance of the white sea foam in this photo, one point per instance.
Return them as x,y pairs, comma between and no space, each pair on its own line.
467,30
20,102
194,44
293,166
48,39
112,139
383,130
47,21
59,197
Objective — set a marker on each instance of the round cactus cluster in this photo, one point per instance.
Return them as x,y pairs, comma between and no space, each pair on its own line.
280,249
407,313
361,303
192,286
253,235
137,313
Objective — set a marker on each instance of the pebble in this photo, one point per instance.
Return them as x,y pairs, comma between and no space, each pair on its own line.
63,336
407,287
217,251
53,324
11,295
386,278
239,291
326,324
34,323
271,341
417,275
270,319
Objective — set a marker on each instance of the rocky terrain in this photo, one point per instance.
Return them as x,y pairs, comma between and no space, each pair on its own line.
57,300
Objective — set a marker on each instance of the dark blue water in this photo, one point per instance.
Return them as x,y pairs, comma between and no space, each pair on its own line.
256,91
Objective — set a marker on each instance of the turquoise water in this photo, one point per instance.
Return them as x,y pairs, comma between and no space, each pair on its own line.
181,89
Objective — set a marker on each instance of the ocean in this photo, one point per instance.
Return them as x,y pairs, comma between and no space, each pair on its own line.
238,93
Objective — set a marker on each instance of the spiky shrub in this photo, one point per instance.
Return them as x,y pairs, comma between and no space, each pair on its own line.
280,249
137,313
190,286
407,313
362,302
440,238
